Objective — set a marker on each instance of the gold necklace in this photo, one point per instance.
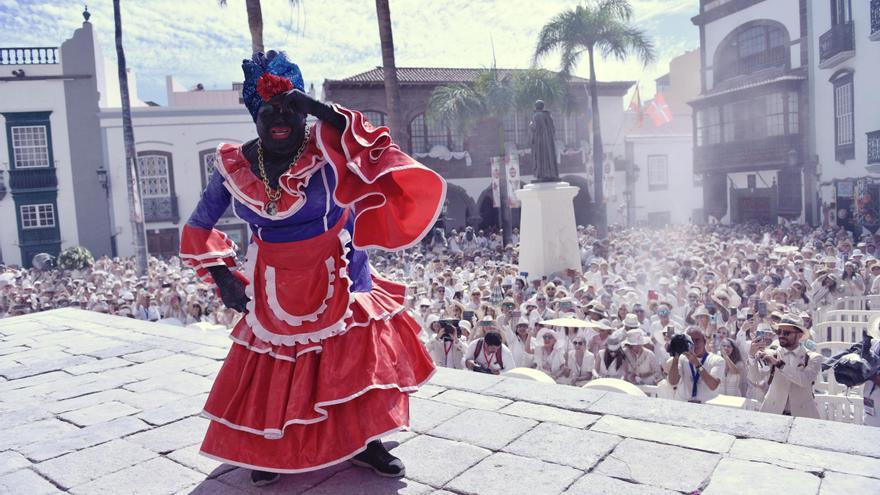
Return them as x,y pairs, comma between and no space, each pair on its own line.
275,194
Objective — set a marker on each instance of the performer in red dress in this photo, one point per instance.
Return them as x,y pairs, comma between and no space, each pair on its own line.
324,358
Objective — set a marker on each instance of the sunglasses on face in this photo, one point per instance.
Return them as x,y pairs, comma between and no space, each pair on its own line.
786,333
577,342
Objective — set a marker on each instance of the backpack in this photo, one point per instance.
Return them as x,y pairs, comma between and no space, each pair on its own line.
497,353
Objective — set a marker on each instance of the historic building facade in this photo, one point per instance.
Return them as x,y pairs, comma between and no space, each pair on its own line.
751,119
51,193
465,160
845,74
786,123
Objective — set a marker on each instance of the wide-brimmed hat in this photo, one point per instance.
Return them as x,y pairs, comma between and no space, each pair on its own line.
612,343
631,321
604,324
700,311
597,308
792,320
635,337
546,331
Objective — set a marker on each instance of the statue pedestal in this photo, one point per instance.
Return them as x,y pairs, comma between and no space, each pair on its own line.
548,233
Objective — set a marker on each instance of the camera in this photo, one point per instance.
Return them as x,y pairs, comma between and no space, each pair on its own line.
479,368
449,330
679,344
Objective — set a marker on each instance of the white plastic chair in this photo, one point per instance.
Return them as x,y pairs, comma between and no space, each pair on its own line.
649,390
842,409
839,331
856,315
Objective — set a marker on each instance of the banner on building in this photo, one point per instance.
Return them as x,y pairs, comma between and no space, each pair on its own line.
513,181
496,181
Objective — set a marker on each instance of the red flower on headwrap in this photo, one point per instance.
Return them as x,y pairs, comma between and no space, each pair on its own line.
270,85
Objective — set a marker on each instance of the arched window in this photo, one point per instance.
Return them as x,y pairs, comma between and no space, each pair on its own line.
208,167
426,133
751,48
157,186
375,117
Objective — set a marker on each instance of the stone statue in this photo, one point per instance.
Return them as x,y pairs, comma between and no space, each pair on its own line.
543,145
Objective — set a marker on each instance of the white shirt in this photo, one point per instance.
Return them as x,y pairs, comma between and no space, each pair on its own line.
582,372
714,364
488,360
644,366
613,371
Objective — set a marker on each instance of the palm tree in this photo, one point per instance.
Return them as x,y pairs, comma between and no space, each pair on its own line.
389,73
135,206
599,27
255,22
494,94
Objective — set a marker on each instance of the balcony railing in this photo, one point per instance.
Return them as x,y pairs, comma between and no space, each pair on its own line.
29,56
771,152
32,178
161,209
836,45
875,20
874,147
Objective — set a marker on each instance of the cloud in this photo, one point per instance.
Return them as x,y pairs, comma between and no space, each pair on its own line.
199,42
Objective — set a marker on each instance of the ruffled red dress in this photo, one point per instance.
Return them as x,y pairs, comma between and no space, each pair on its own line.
325,357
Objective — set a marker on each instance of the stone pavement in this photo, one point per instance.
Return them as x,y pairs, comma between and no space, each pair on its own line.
96,404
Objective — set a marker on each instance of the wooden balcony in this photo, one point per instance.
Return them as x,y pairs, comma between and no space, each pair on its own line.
743,156
874,147
31,179
836,45
875,20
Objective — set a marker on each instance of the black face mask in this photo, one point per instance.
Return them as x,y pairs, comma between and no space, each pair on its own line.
280,129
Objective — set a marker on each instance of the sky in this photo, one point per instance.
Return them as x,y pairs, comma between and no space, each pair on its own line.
198,41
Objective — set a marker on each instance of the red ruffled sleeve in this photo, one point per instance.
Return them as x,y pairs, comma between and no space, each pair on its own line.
201,248
395,199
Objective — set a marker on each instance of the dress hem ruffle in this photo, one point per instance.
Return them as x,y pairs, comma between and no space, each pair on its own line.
277,434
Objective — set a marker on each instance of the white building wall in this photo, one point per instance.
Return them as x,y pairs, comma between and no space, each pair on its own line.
18,96
681,197
183,133
866,79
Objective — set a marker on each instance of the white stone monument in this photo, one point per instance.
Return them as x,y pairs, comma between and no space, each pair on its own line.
548,233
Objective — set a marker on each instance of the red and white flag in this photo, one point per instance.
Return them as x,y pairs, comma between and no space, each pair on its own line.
659,111
636,105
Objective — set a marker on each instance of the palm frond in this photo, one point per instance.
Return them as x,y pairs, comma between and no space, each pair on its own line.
457,105
619,9
537,84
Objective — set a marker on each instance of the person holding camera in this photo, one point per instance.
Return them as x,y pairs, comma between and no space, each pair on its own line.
695,374
488,355
446,348
790,370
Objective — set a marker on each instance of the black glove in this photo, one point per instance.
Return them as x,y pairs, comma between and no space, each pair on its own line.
305,104
231,288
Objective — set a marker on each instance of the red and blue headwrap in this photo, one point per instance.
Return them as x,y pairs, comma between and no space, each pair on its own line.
266,76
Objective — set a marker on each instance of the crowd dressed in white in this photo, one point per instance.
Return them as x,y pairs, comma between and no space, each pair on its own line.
745,296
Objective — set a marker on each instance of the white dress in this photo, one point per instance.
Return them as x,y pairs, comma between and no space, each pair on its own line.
609,372
582,373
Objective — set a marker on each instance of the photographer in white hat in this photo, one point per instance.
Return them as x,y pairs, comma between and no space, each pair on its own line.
790,370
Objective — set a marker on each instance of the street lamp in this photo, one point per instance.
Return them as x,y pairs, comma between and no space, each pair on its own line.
102,177
792,157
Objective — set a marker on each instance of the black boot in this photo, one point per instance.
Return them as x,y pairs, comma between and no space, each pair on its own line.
379,460
263,478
